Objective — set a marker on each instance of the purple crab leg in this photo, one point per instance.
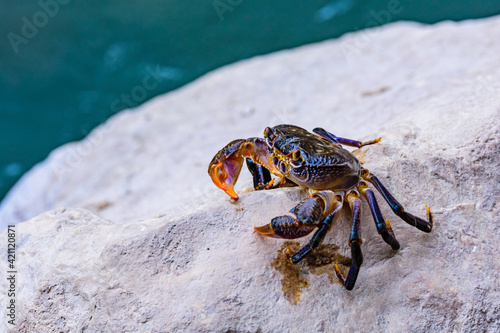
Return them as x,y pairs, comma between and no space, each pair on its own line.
383,226
397,208
262,179
336,140
261,176
354,243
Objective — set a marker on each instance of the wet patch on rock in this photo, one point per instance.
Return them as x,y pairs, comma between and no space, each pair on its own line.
319,262
293,281
323,260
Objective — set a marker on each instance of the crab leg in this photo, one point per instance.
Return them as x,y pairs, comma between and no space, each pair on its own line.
383,226
308,215
354,243
261,176
318,237
317,211
398,209
336,140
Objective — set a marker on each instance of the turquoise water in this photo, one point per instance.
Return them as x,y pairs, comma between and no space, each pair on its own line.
68,65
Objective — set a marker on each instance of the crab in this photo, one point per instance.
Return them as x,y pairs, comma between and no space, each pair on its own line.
333,175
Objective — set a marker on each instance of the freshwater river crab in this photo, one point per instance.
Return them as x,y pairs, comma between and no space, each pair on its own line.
333,176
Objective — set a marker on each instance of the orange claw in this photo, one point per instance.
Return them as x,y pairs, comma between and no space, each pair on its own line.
221,180
265,230
225,167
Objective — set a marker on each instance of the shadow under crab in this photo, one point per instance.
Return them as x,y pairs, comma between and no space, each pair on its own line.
332,174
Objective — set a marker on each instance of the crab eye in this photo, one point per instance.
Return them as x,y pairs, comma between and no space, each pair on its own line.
270,136
296,159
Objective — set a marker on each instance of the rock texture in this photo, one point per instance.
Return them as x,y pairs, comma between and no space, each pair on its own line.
172,253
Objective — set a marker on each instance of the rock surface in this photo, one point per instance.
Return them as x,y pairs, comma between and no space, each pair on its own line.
194,264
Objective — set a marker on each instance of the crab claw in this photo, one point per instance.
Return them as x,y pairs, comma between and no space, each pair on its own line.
266,230
285,227
227,163
226,166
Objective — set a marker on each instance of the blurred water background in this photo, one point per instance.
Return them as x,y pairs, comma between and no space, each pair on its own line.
68,65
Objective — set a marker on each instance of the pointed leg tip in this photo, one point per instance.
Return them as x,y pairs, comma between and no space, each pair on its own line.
387,222
429,213
341,278
429,216
265,186
371,142
289,256
338,272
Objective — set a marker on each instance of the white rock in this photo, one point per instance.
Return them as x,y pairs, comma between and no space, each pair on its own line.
431,92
